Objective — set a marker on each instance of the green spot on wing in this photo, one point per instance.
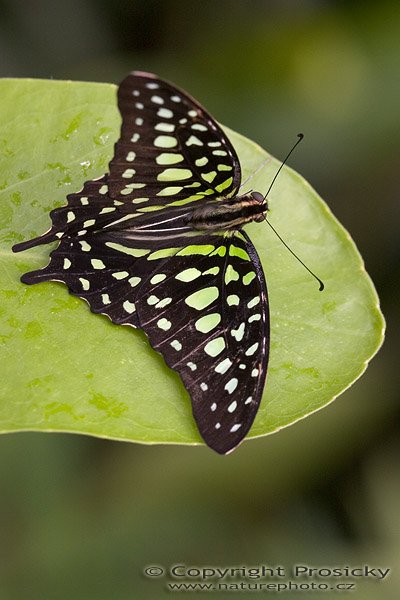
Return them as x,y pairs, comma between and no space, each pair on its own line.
225,184
200,249
186,200
137,252
202,298
208,322
239,252
174,174
215,347
231,274
164,253
220,251
170,190
169,158
188,274
248,278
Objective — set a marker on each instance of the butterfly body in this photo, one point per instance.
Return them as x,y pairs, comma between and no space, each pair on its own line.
229,215
157,243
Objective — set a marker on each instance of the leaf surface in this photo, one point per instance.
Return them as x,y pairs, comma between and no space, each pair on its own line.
64,369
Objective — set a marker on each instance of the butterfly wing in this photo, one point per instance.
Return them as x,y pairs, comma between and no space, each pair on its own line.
171,151
203,306
207,314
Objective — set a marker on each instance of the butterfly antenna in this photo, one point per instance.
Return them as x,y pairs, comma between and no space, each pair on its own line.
321,284
300,136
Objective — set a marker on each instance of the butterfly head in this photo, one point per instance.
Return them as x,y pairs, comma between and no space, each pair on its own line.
261,203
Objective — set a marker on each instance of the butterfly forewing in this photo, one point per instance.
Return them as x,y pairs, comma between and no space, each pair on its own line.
171,151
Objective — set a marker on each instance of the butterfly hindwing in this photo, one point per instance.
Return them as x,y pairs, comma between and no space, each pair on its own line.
204,307
206,312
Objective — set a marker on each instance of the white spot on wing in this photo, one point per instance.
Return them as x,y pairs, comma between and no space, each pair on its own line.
166,127
85,246
107,209
235,427
158,278
129,307
250,351
97,263
231,386
256,317
164,324
232,407
176,345
165,113
165,141
85,283
253,302
239,332
164,302
194,141
223,366
128,173
120,274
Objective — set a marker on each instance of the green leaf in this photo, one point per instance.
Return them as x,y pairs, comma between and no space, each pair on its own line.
65,369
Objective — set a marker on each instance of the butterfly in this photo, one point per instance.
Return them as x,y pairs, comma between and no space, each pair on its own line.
158,244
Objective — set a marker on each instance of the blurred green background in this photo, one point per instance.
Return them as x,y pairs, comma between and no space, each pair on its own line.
81,517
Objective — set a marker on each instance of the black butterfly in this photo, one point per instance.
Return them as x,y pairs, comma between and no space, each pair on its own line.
157,243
